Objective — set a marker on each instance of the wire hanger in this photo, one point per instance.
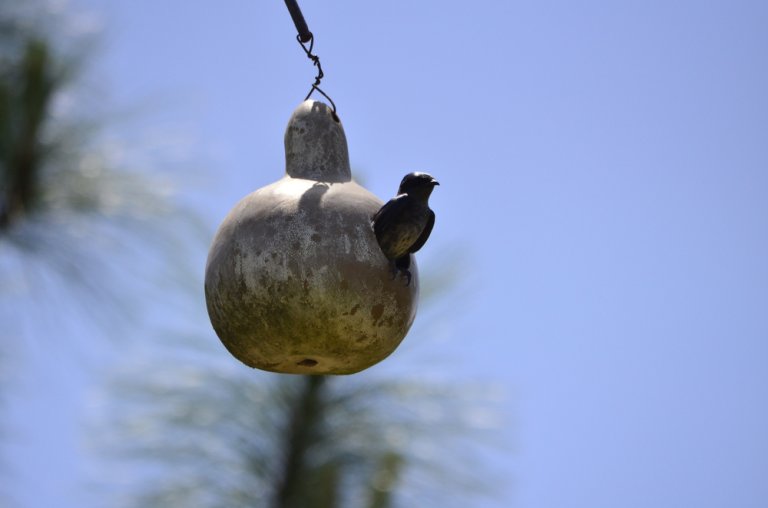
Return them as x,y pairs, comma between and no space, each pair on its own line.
306,37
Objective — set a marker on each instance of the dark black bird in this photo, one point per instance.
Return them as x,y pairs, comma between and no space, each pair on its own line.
403,224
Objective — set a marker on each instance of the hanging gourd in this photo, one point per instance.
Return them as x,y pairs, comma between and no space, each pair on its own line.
311,274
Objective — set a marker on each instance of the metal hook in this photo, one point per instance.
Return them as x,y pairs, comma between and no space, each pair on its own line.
316,62
304,37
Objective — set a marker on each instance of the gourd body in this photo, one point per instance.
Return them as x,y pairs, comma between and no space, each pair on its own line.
295,279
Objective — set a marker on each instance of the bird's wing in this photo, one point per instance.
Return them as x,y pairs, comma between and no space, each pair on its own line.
424,234
388,213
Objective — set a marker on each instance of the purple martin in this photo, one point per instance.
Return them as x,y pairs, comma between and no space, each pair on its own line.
404,223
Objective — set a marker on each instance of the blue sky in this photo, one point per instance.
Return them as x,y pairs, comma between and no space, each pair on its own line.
603,169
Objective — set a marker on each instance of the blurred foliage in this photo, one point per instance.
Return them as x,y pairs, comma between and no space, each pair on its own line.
198,430
26,89
87,235
76,215
36,144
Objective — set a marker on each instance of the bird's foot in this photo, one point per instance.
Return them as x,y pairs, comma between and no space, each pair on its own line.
403,272
401,266
407,273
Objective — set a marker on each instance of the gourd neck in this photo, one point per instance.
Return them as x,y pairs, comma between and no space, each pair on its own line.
315,144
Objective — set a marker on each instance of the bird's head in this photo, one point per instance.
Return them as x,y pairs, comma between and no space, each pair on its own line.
417,184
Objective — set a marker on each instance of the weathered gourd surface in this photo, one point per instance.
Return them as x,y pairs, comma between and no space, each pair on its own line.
295,280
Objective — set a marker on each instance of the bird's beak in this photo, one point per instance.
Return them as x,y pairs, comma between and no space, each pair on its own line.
435,182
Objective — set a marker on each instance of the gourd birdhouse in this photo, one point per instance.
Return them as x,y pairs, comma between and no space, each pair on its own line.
295,280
